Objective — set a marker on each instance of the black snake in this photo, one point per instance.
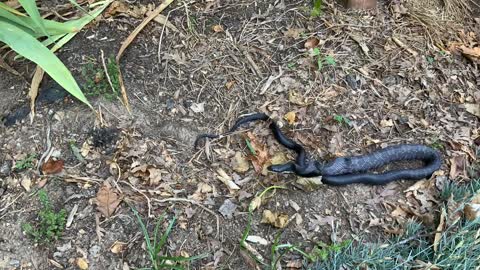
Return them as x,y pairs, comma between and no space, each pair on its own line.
348,170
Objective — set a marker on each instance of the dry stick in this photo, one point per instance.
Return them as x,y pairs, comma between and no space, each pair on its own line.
129,40
403,46
106,71
192,202
161,38
149,204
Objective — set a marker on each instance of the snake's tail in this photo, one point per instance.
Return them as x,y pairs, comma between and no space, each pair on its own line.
241,121
204,136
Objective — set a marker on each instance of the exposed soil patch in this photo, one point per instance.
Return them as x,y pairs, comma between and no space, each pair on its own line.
373,80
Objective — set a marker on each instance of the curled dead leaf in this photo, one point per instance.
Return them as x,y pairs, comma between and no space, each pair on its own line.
229,85
52,166
472,209
240,163
278,220
298,99
311,43
82,263
218,28
386,123
118,247
290,117
293,32
255,203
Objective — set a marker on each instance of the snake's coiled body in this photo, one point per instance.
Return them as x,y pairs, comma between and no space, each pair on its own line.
349,170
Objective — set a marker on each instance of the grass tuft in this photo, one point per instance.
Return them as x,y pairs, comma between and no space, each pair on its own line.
157,246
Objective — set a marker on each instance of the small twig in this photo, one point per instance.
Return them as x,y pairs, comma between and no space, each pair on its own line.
270,81
47,152
106,72
195,203
403,46
143,194
161,38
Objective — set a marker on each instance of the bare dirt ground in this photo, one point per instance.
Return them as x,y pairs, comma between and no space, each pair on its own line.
381,82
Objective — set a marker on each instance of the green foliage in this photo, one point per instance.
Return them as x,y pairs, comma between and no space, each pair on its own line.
50,224
26,163
341,119
322,250
458,246
323,60
96,81
317,8
30,35
437,144
156,247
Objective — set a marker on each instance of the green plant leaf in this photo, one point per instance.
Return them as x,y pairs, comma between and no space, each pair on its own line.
330,60
12,10
31,8
32,49
317,8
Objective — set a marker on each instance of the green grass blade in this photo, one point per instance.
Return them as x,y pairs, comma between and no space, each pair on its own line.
13,18
164,237
51,27
12,10
79,24
32,49
31,8
75,4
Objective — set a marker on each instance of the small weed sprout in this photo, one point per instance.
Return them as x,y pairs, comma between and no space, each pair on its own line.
96,82
50,223
26,163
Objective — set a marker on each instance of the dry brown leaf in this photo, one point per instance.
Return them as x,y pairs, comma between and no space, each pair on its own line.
278,220
311,43
118,247
294,264
82,263
52,166
386,123
298,99
255,203
472,209
229,85
473,109
107,200
218,28
278,158
293,32
26,183
471,53
458,165
290,117
34,86
439,231
240,163
261,159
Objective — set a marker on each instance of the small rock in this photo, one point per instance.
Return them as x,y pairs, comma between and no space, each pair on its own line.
227,209
6,168
351,81
170,104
